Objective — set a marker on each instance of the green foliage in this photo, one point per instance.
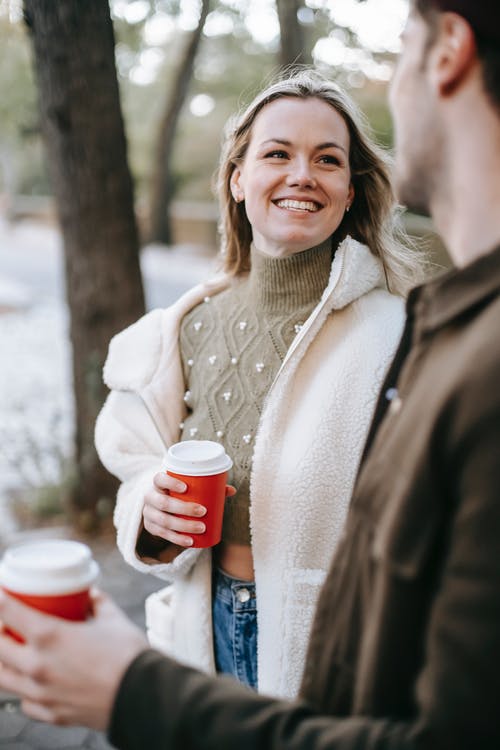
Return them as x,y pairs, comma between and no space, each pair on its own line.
231,66
22,167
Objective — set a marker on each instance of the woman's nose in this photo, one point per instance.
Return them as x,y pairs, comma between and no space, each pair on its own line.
300,174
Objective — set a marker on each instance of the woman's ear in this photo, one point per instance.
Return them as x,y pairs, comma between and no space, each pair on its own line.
350,196
236,186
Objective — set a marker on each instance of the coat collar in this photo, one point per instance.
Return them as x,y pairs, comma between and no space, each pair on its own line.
355,272
452,294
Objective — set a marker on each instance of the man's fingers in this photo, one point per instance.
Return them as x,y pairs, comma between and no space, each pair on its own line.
22,619
103,606
18,683
13,655
39,712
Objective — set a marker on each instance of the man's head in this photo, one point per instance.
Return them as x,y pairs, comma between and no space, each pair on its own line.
447,44
484,19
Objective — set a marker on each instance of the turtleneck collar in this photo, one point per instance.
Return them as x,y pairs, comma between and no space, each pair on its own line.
279,285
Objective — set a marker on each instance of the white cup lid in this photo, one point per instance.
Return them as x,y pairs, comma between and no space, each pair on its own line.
48,567
197,458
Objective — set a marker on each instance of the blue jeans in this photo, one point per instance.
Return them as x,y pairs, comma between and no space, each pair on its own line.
234,616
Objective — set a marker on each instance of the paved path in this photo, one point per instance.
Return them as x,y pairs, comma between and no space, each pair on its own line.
129,588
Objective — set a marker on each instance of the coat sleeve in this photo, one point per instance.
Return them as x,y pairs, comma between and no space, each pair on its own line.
130,447
161,704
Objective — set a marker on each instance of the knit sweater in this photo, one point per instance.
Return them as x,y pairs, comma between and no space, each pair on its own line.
232,345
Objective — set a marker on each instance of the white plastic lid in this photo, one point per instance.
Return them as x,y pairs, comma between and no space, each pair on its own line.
48,567
197,458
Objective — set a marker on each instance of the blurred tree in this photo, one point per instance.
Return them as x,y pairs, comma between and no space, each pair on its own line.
19,142
293,50
83,130
162,189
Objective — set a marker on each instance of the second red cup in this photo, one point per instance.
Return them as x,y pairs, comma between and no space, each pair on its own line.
203,466
52,575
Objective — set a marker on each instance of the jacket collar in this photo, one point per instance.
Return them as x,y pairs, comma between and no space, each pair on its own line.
452,294
355,272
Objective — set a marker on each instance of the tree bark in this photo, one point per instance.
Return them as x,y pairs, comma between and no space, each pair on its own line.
292,49
161,186
82,124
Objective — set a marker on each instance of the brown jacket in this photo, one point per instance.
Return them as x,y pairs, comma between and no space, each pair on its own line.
405,649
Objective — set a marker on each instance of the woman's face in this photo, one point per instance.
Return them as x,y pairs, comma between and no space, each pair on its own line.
295,177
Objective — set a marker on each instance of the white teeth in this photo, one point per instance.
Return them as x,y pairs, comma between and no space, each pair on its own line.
298,205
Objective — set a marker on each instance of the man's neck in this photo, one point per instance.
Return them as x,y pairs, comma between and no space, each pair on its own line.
469,226
466,212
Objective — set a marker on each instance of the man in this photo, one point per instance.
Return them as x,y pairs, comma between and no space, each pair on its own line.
405,650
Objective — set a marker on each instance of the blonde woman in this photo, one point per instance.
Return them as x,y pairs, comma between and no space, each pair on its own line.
280,359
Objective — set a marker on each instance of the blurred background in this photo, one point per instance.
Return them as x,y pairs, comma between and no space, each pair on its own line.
111,118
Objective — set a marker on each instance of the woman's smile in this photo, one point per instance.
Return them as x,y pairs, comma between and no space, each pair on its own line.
291,204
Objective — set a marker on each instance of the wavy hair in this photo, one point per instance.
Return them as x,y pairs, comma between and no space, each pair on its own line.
373,216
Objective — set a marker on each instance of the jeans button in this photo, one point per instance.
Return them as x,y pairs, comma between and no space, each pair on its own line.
243,595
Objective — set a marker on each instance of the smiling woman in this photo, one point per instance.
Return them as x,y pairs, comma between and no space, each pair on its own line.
280,360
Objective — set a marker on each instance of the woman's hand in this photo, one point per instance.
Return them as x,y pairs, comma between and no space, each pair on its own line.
161,511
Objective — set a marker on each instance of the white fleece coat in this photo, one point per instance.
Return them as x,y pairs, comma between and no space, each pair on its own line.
307,449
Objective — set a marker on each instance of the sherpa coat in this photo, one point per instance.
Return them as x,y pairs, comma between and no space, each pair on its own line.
307,448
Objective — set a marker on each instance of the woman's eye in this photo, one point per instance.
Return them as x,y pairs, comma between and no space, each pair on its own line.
277,155
328,159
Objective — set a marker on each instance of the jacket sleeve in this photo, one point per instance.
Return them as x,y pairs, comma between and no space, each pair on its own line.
130,447
161,704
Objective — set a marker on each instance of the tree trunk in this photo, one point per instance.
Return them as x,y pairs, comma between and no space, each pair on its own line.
161,186
82,125
292,49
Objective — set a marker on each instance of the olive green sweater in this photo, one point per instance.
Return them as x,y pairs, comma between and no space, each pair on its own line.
232,345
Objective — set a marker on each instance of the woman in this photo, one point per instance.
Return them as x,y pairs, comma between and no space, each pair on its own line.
280,359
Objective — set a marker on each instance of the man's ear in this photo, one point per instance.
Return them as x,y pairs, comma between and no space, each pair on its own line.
453,53
236,185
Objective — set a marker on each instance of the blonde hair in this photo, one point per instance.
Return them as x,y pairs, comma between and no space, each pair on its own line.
372,218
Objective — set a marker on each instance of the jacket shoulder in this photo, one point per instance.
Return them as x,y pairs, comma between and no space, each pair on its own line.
134,353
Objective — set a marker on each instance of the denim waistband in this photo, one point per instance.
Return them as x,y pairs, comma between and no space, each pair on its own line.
239,593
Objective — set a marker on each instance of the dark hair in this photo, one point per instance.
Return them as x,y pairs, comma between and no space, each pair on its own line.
488,50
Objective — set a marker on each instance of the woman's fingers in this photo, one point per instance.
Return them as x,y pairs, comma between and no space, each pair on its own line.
169,504
161,513
171,522
170,527
164,482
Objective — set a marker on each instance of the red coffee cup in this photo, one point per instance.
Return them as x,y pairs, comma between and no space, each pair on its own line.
203,466
52,575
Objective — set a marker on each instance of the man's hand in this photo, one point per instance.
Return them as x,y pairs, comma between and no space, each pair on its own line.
67,672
